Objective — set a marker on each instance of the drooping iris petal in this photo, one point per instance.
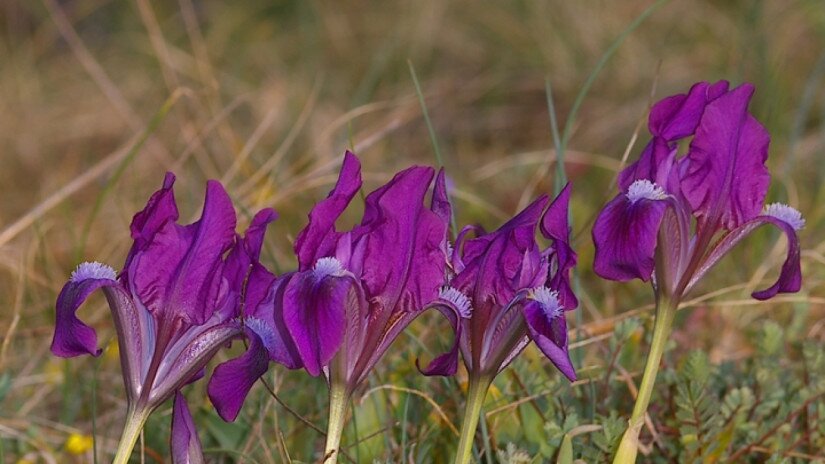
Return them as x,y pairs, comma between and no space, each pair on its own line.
454,305
625,238
282,348
555,226
315,315
184,443
726,179
232,380
72,337
179,270
549,331
790,277
318,238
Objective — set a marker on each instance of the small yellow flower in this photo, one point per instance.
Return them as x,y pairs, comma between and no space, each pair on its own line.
78,443
492,392
54,371
112,351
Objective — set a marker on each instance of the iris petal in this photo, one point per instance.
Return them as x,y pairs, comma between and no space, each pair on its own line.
550,335
314,313
72,337
232,380
403,260
790,276
189,355
625,238
726,178
555,226
676,117
318,238
440,204
179,270
185,444
446,364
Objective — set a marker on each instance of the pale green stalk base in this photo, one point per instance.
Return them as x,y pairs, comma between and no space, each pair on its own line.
629,446
131,432
338,401
472,412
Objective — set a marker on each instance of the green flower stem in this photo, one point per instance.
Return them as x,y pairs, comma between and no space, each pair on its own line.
629,446
475,400
135,419
338,401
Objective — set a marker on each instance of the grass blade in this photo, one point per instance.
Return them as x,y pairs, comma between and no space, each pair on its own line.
433,138
121,168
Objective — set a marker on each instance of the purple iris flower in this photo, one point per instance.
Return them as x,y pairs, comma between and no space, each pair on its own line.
354,292
504,290
180,297
676,216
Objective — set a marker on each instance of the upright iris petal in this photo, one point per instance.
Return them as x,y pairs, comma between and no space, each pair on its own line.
181,296
555,227
726,179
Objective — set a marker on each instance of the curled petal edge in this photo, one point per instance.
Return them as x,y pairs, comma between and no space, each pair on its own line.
790,276
550,337
445,364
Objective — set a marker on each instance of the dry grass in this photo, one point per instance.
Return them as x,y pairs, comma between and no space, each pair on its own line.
267,96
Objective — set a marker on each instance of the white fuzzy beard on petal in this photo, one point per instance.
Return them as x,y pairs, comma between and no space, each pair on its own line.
646,189
263,331
787,214
327,267
458,299
549,301
93,270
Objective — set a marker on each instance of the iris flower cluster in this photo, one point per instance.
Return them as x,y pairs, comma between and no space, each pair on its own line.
186,291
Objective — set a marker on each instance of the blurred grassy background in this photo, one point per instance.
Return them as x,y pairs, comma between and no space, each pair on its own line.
266,96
